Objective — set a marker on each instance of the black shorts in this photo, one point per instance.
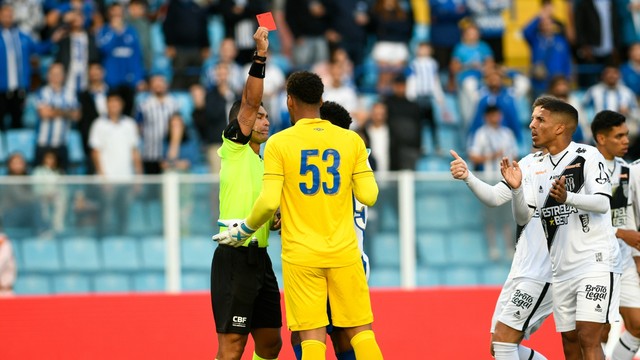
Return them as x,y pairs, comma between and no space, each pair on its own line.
244,296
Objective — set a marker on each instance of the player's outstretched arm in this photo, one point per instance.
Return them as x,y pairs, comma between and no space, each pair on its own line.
492,196
254,87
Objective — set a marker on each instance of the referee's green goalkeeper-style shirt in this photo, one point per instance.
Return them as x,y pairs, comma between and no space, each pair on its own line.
240,184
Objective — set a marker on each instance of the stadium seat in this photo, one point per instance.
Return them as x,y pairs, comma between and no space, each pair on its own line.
153,281
428,276
80,254
71,284
467,209
153,253
455,276
76,150
432,248
196,281
185,105
450,137
495,274
3,150
157,38
32,285
384,277
40,255
433,212
385,250
120,253
197,253
112,283
275,250
30,114
468,247
433,163
22,141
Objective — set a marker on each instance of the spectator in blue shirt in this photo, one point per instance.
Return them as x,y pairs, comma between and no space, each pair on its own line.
121,56
445,32
630,71
487,14
550,52
16,49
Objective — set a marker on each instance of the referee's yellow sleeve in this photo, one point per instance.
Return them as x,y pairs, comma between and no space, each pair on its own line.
267,203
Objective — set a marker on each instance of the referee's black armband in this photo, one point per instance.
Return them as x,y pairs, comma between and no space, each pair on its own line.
257,70
234,133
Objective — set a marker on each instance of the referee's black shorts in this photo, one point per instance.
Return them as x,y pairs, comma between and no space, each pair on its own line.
244,295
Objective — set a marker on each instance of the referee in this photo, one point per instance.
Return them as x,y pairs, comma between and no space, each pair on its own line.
244,291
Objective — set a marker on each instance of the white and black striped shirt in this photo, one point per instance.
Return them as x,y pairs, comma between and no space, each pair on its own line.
154,114
424,79
53,132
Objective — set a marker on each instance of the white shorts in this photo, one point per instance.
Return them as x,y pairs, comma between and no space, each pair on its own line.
523,305
390,52
630,288
595,297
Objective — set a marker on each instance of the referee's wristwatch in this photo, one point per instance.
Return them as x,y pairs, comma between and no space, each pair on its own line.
257,57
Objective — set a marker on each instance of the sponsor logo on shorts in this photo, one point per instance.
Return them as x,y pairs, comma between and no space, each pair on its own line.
599,257
239,321
598,308
522,299
517,314
595,293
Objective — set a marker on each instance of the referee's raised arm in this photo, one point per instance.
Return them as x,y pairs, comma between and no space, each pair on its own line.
253,89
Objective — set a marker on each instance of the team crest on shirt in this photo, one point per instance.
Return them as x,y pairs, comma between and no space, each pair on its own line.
584,220
603,177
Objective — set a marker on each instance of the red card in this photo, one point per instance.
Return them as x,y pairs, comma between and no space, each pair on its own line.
266,20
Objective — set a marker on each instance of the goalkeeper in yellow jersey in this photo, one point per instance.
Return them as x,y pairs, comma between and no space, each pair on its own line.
312,169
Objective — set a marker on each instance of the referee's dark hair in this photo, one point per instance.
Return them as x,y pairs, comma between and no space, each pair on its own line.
306,87
235,109
336,114
605,120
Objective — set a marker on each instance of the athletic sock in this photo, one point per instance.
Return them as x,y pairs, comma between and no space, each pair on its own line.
313,350
529,354
346,355
626,348
505,351
365,346
257,357
297,350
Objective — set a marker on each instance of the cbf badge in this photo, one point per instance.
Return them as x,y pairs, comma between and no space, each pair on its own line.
584,219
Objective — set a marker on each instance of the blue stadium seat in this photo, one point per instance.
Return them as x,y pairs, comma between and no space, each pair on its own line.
32,285
450,138
40,255
384,277
433,212
467,209
460,276
153,281
23,141
80,254
120,253
76,150
196,281
157,38
112,283
71,283
215,30
197,252
16,246
432,248
433,164
3,149
185,104
385,250
30,114
468,247
275,250
495,274
153,253
428,276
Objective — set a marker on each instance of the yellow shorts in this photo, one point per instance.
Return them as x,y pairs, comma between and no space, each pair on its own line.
306,290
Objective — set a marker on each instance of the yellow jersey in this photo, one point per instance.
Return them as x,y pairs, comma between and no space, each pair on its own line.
317,162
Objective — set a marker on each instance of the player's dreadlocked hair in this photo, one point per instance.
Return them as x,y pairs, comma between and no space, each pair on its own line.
305,86
336,114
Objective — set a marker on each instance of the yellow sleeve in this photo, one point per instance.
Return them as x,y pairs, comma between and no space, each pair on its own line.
267,203
272,183
365,187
